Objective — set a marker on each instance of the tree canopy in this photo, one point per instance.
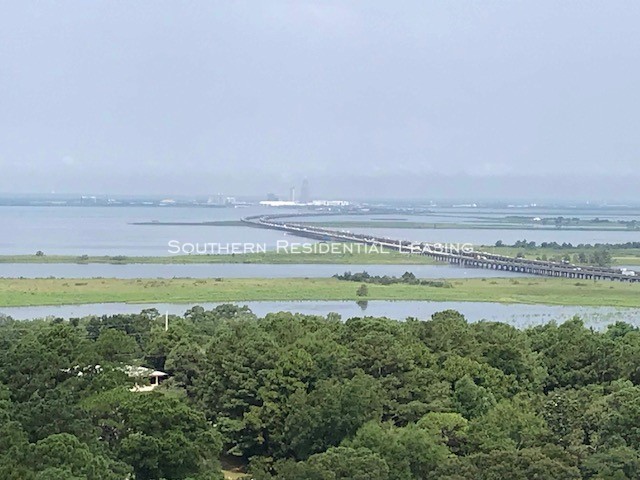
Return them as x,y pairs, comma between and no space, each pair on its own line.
293,396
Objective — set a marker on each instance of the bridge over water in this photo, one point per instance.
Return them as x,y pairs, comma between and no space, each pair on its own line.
453,254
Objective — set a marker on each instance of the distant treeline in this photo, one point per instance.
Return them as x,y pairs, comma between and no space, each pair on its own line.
597,254
569,246
575,221
407,278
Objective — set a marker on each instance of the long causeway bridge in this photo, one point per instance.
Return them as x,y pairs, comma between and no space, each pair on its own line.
453,254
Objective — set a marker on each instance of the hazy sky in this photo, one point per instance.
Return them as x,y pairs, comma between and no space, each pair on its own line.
250,97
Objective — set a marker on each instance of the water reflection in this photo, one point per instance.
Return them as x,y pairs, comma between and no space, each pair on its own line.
363,304
515,314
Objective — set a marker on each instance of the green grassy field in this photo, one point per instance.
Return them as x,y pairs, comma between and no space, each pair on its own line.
32,292
627,256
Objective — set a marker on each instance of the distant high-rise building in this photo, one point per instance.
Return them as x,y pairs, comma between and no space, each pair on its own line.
216,199
304,192
293,194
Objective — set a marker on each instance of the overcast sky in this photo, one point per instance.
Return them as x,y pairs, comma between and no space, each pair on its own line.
250,97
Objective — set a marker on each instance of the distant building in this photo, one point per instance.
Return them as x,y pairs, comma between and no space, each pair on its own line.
278,203
216,199
305,197
272,197
330,203
292,197
88,199
142,375
315,203
221,200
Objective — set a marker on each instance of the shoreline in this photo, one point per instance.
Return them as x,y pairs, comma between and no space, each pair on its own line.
268,258
624,257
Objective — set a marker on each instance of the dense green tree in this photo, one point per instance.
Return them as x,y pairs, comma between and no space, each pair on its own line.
332,411
45,356
137,326
451,429
363,291
412,451
471,400
618,463
509,350
448,333
116,346
625,352
185,362
499,385
525,464
14,444
511,425
159,435
342,463
65,452
618,417
573,355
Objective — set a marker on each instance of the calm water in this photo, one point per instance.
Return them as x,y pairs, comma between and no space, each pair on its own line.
108,230
491,236
459,215
517,315
235,270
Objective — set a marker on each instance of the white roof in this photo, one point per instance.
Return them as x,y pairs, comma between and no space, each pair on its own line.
135,371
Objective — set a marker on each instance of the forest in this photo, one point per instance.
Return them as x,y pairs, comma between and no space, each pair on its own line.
292,396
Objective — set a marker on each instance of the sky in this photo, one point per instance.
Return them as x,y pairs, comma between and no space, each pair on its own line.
388,98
